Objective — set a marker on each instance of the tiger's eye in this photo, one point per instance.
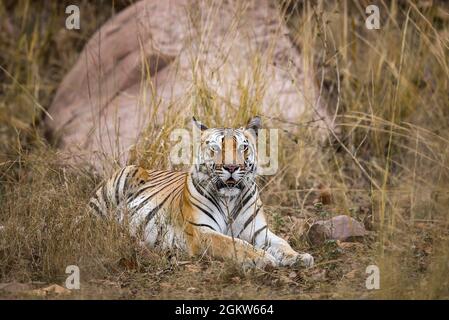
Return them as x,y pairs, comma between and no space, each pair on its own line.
243,147
214,148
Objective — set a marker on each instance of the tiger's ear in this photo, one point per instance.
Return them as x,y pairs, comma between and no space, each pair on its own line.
254,124
199,124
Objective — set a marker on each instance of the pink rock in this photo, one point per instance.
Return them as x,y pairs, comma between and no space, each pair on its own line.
154,53
342,227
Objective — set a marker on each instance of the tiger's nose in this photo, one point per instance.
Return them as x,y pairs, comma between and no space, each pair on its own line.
230,167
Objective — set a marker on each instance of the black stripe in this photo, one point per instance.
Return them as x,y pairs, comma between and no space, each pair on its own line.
201,190
143,203
130,177
202,210
155,210
266,245
193,197
149,197
172,200
149,186
168,174
250,219
104,196
249,206
242,203
207,213
146,200
179,192
117,184
157,174
201,225
93,206
161,177
257,233
247,191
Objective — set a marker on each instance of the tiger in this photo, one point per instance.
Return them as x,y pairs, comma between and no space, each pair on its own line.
214,208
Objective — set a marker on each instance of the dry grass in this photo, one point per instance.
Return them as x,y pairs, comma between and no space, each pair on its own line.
386,162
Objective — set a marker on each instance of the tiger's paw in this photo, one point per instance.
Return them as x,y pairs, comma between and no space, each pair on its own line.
297,260
266,262
306,260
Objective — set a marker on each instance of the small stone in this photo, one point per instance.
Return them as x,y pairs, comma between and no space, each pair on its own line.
342,227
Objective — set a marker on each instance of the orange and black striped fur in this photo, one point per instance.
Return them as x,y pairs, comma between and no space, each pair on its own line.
215,208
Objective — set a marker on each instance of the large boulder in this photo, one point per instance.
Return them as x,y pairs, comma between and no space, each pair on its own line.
159,60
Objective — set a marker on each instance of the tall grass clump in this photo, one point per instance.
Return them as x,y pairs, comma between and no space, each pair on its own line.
42,198
388,90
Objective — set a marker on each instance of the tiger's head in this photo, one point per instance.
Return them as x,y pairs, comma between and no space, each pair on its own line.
226,158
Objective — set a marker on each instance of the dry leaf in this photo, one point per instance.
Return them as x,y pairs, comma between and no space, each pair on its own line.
349,245
193,268
351,274
54,289
236,279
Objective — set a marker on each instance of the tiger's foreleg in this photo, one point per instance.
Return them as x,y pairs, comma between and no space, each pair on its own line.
283,252
220,246
258,233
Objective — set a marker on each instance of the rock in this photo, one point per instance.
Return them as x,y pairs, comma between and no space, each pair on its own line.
154,57
342,227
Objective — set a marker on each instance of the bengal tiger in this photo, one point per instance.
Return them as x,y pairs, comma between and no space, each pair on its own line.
213,209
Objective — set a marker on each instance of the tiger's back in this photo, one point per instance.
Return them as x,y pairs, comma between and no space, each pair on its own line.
149,201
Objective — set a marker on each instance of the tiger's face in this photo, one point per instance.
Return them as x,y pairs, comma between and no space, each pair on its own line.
227,158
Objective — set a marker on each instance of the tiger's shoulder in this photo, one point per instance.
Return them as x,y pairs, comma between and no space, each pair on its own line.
135,179
133,183
133,176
